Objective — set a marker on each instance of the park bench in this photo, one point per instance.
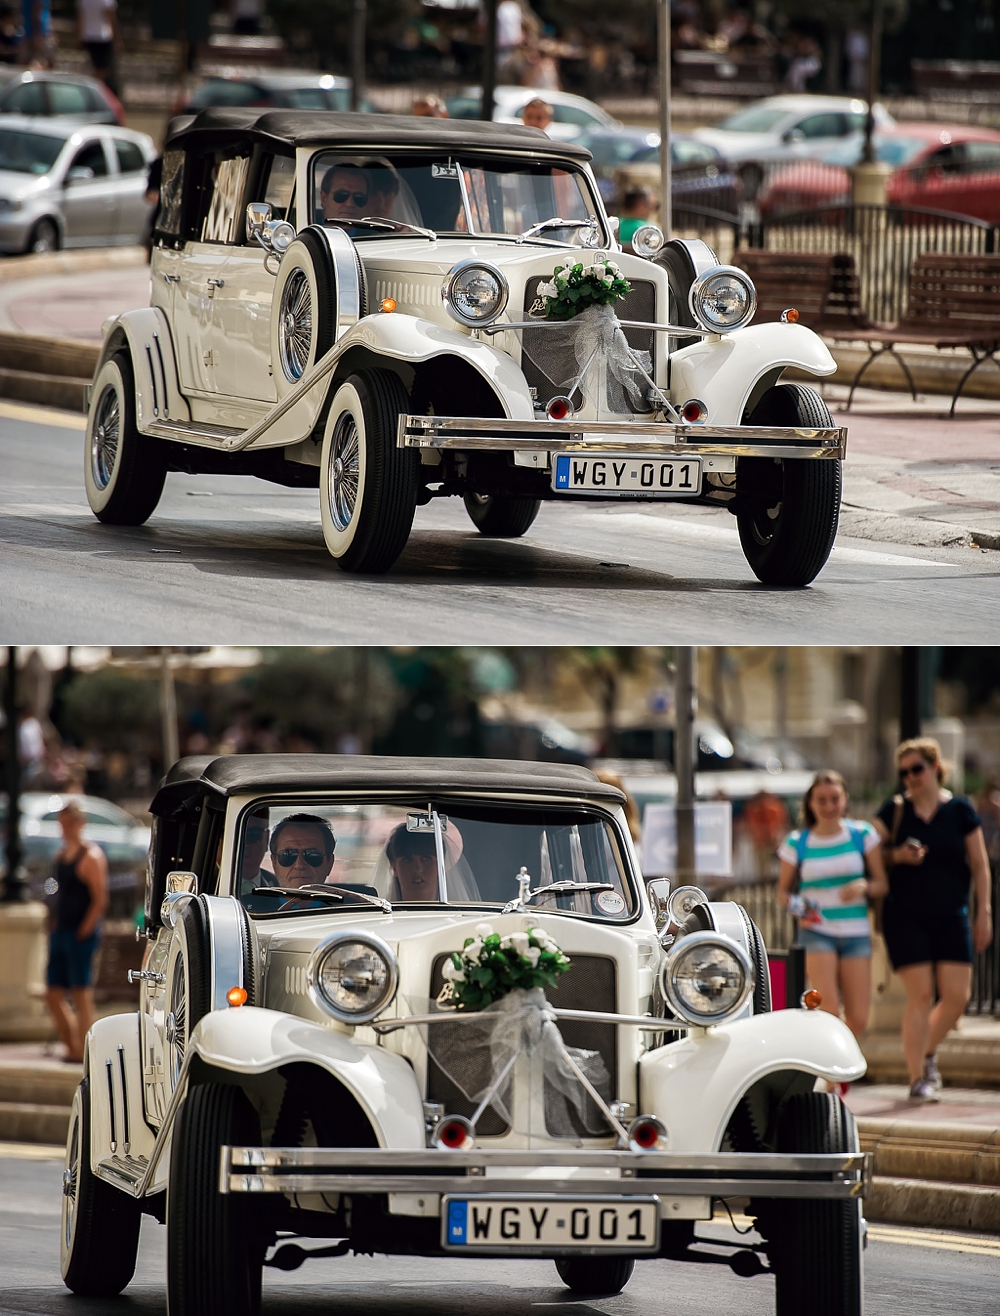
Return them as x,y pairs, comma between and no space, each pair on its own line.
822,287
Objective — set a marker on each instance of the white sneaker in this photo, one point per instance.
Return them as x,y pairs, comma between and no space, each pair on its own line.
932,1073
924,1090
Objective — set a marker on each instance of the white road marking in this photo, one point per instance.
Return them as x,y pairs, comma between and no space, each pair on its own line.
30,1151
66,420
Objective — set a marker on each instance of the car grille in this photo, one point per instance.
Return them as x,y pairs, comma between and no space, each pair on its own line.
640,304
590,985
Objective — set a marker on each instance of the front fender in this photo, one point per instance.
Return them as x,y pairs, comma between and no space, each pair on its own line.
114,1067
146,332
722,371
252,1041
409,339
694,1084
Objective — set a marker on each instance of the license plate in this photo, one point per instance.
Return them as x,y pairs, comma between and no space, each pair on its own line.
550,1224
618,475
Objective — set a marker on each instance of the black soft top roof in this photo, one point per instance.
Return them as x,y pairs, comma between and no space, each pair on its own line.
235,774
226,124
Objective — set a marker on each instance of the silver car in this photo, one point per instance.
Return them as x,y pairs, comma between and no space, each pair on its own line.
69,185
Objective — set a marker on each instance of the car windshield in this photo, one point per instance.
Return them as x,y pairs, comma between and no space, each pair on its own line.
27,152
335,855
756,119
448,194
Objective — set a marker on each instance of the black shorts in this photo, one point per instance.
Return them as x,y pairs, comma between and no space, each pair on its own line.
926,937
101,54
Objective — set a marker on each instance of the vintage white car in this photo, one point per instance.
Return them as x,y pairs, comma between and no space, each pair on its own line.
296,1069
351,302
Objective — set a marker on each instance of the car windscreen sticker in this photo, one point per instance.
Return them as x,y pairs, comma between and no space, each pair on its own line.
610,902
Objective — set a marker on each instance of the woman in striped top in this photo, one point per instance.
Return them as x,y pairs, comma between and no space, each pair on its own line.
839,865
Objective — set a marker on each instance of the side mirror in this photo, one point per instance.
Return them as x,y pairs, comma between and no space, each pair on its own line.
794,135
613,224
658,890
258,213
182,881
79,174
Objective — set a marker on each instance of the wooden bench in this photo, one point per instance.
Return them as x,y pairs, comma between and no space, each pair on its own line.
822,287
954,301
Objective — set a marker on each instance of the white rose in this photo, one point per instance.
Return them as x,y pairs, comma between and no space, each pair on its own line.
610,265
532,954
597,271
519,941
452,974
547,290
505,943
484,930
472,951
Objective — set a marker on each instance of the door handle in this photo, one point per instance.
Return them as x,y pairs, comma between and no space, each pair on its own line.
216,283
171,278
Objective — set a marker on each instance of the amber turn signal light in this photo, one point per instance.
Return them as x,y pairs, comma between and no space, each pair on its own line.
812,999
791,316
237,996
389,304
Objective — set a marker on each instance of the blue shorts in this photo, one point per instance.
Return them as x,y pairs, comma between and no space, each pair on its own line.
71,962
847,948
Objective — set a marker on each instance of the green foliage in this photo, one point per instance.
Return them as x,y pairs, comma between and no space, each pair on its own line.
575,287
321,694
109,710
489,966
323,27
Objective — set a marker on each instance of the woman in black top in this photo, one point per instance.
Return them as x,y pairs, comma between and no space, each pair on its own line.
934,849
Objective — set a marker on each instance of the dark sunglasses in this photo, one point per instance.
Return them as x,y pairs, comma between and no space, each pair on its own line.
915,771
343,193
288,857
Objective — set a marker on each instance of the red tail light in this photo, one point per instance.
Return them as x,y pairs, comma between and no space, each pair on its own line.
454,1133
559,409
694,411
647,1133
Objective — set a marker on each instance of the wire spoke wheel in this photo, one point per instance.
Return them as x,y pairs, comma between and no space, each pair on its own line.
177,1022
71,1179
344,471
106,437
295,332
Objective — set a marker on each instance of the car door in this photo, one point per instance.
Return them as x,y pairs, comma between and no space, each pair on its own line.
90,202
132,205
816,133
980,181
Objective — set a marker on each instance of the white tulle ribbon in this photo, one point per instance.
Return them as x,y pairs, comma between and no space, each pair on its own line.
591,354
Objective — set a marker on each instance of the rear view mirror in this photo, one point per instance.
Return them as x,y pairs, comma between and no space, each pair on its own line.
258,213
79,174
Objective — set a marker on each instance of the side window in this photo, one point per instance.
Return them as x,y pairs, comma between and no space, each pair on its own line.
982,156
228,185
68,98
28,98
821,125
130,159
280,181
91,157
171,193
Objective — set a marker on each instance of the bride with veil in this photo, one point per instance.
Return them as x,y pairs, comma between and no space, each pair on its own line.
407,870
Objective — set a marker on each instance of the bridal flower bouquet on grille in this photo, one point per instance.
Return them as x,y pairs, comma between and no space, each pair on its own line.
489,966
574,287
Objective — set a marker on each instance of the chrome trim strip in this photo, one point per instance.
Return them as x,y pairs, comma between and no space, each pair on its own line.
645,1022
226,941
111,1104
346,281
625,324
126,1140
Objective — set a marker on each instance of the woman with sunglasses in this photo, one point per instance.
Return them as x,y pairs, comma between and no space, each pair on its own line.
933,844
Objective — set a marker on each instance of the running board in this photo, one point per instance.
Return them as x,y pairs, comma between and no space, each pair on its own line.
197,432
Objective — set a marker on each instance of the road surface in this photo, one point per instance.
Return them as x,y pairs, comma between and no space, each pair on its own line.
916,1271
236,560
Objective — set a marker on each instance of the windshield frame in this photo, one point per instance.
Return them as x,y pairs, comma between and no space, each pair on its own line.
417,799
481,155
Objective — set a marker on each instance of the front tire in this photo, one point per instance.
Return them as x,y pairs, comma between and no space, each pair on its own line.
44,238
595,1276
788,510
500,517
124,471
368,486
815,1246
99,1239
215,1252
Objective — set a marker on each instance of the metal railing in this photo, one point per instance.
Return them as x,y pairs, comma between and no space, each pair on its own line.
777,926
985,998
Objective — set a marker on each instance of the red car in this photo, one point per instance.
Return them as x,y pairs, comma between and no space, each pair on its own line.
949,167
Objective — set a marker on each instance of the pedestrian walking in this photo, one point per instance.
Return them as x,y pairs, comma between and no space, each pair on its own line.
934,848
830,868
81,898
97,27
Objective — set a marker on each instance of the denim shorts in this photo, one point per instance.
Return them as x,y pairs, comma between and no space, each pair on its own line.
847,948
71,961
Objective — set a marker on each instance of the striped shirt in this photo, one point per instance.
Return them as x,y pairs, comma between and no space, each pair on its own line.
829,863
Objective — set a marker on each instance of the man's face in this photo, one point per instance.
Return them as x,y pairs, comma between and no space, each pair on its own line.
417,874
300,856
537,116
347,195
254,847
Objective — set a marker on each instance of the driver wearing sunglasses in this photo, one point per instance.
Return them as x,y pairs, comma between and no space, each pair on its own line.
345,193
302,848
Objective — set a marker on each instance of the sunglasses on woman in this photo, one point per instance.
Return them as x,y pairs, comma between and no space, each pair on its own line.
288,857
914,771
343,194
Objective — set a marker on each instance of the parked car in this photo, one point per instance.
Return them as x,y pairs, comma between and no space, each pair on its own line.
326,332
699,174
285,90
793,127
68,186
571,115
948,167
59,95
124,841
428,1007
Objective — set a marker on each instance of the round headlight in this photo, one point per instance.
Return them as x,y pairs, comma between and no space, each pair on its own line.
707,978
723,299
352,975
682,900
647,240
475,293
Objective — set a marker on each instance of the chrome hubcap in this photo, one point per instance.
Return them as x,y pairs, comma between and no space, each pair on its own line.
295,334
69,1183
105,437
176,1025
345,471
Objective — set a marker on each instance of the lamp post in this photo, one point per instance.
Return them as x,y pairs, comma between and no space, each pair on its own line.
666,194
13,881
684,761
168,712
489,59
358,27
869,176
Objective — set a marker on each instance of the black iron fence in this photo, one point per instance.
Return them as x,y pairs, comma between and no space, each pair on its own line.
777,926
985,999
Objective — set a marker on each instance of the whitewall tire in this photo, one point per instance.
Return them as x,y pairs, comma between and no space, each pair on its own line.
304,314
123,470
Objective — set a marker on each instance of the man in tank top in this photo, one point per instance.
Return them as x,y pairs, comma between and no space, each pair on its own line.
81,872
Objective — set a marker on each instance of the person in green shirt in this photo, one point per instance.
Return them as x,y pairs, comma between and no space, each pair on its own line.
637,209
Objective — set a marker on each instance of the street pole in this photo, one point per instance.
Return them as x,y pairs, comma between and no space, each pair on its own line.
666,195
874,76
13,881
168,712
489,59
358,53
685,695
909,693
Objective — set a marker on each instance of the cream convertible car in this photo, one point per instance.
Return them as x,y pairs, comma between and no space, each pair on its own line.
296,1069
351,302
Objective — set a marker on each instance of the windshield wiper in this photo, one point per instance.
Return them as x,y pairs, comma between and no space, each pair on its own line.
324,892
392,225
556,222
565,888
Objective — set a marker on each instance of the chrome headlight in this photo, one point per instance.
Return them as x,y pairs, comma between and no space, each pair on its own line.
682,900
706,978
475,293
722,299
352,975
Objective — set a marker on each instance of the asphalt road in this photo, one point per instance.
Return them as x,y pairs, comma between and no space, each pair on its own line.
919,1272
236,560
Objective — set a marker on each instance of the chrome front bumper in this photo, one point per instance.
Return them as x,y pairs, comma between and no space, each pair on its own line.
639,437
639,1174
